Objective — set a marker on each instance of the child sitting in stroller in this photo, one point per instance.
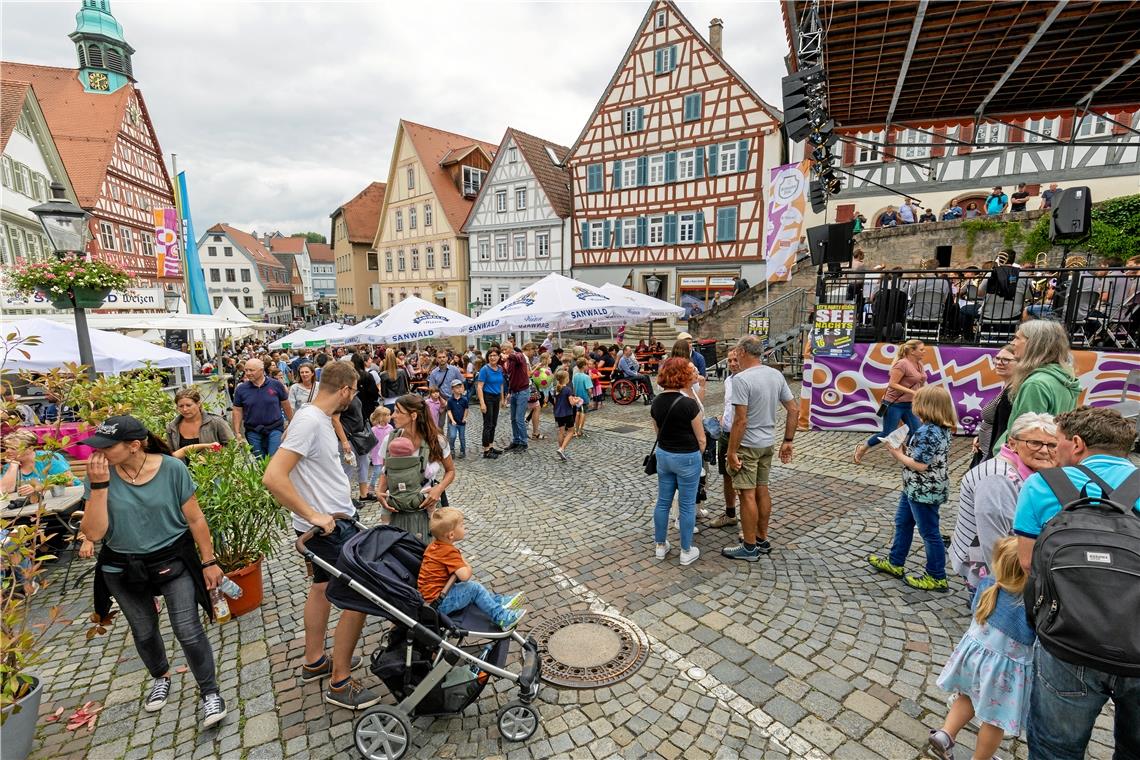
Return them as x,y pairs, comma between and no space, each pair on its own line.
442,558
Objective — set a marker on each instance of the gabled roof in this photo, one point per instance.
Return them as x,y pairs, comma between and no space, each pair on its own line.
12,96
554,177
362,213
83,125
456,155
282,244
432,146
321,253
247,242
655,5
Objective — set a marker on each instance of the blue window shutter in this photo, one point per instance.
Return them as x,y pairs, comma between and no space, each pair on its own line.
714,158
670,229
585,235
617,234
642,171
672,57
742,156
726,224
659,61
671,166
606,231
700,162
642,230
617,175
640,118
699,224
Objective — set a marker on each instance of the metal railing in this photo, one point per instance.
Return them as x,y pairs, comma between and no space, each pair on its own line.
1099,307
787,324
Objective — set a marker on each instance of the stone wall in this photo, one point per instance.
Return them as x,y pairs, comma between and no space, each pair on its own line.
727,322
909,245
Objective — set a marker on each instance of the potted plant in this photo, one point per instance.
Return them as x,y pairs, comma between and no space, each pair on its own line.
57,483
246,522
59,281
21,640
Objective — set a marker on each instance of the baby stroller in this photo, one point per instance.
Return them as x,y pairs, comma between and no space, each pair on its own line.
434,664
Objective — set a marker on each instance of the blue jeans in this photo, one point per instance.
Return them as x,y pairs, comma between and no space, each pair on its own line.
519,400
898,411
454,432
925,516
265,443
464,593
1065,703
677,473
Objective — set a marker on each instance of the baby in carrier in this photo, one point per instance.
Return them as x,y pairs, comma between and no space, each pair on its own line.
407,486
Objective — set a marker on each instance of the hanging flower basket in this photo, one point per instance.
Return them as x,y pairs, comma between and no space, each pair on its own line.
90,298
90,281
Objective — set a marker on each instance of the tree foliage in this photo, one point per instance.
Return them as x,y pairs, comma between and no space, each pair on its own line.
312,237
1115,231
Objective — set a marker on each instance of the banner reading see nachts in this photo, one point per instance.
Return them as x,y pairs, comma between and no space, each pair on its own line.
833,333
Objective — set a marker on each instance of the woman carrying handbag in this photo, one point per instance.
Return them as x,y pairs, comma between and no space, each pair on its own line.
677,456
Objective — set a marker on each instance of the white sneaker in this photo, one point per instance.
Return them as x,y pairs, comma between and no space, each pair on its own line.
689,557
663,549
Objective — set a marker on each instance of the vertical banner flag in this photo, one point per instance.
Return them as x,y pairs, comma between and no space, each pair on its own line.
787,205
166,242
195,279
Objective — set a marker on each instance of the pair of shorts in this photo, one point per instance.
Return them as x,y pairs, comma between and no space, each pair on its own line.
722,455
755,467
566,422
328,547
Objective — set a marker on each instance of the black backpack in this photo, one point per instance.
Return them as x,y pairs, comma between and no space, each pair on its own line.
1083,594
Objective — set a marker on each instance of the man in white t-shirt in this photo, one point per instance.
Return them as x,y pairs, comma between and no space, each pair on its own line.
306,477
729,517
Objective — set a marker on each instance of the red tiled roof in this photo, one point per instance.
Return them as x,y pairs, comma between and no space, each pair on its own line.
554,177
321,253
248,242
362,213
432,146
294,244
12,94
83,125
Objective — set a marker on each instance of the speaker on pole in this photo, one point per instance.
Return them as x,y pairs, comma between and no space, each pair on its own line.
1071,214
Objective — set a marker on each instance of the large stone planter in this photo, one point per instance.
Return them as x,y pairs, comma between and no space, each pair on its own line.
19,729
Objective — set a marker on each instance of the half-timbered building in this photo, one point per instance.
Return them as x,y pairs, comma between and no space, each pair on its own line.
668,172
100,124
433,179
518,228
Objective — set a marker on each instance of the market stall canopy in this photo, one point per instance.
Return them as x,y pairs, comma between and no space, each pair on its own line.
408,321
300,339
113,353
658,308
335,332
177,322
558,303
230,313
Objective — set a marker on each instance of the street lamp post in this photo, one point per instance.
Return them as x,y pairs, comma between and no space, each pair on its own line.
652,285
65,225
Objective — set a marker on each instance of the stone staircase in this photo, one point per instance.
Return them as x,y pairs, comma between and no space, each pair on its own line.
663,330
729,321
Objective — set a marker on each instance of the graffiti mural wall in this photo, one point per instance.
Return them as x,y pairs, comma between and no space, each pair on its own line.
844,393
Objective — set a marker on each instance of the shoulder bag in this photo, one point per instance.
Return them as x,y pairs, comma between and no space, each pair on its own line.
650,461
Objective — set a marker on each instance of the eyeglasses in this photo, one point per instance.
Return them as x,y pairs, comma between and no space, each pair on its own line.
1036,445
1003,360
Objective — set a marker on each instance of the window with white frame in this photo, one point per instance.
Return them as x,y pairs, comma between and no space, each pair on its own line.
248,301
597,235
427,214
916,143
486,300
659,21
399,220
629,173
400,261
512,155
864,153
988,136
411,178
629,233
127,240
657,169
501,201
686,165
412,218
484,249
7,168
429,257
504,293
542,245
1093,126
415,259
228,250
217,302
246,275
520,246
387,261
472,180
107,236
147,243
629,120
687,228
5,257
520,199
17,242
215,275
445,256
656,230
728,156
1045,128
231,275
501,247
34,251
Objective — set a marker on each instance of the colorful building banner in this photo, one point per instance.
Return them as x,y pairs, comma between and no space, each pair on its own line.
166,242
787,206
845,393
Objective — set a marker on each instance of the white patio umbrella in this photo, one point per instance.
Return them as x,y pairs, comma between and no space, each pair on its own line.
300,339
558,303
334,332
410,320
659,309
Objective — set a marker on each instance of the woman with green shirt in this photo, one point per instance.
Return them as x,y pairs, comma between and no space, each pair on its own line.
141,504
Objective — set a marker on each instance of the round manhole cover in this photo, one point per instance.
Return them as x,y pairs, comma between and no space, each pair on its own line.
585,650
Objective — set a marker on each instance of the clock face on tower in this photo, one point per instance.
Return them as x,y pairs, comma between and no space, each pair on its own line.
97,80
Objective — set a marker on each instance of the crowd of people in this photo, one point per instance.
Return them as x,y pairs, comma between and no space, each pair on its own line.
996,203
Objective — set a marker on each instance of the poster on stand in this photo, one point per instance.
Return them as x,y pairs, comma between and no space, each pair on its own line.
833,333
758,326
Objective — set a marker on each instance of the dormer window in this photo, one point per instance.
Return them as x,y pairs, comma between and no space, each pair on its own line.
472,180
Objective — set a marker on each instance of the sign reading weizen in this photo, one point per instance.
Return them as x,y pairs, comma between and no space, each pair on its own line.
131,299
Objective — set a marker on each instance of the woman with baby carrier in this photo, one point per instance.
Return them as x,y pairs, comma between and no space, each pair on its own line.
418,467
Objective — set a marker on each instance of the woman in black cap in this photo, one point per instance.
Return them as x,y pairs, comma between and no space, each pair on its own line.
141,503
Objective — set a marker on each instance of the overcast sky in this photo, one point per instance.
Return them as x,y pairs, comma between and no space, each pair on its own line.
281,111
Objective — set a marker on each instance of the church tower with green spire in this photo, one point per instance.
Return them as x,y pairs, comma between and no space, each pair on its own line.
104,56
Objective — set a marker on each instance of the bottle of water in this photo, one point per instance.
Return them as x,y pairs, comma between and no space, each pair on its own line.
229,588
221,606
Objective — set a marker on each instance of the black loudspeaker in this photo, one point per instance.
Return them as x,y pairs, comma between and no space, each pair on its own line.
817,197
1072,214
803,99
817,243
832,243
943,254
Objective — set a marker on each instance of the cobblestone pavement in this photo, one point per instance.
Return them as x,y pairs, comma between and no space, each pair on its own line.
805,654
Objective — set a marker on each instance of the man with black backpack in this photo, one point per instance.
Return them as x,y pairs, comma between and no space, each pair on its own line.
1079,536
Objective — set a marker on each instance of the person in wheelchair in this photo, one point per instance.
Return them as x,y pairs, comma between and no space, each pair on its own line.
631,369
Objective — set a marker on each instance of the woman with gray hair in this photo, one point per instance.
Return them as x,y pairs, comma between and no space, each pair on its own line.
988,495
1043,378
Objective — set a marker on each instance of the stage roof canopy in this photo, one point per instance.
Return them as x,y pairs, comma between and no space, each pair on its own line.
908,60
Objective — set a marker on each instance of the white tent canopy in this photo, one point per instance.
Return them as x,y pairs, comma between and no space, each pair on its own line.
113,353
178,322
299,339
230,313
658,309
412,319
558,303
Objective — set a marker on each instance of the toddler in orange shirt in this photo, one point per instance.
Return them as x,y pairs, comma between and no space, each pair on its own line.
442,558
